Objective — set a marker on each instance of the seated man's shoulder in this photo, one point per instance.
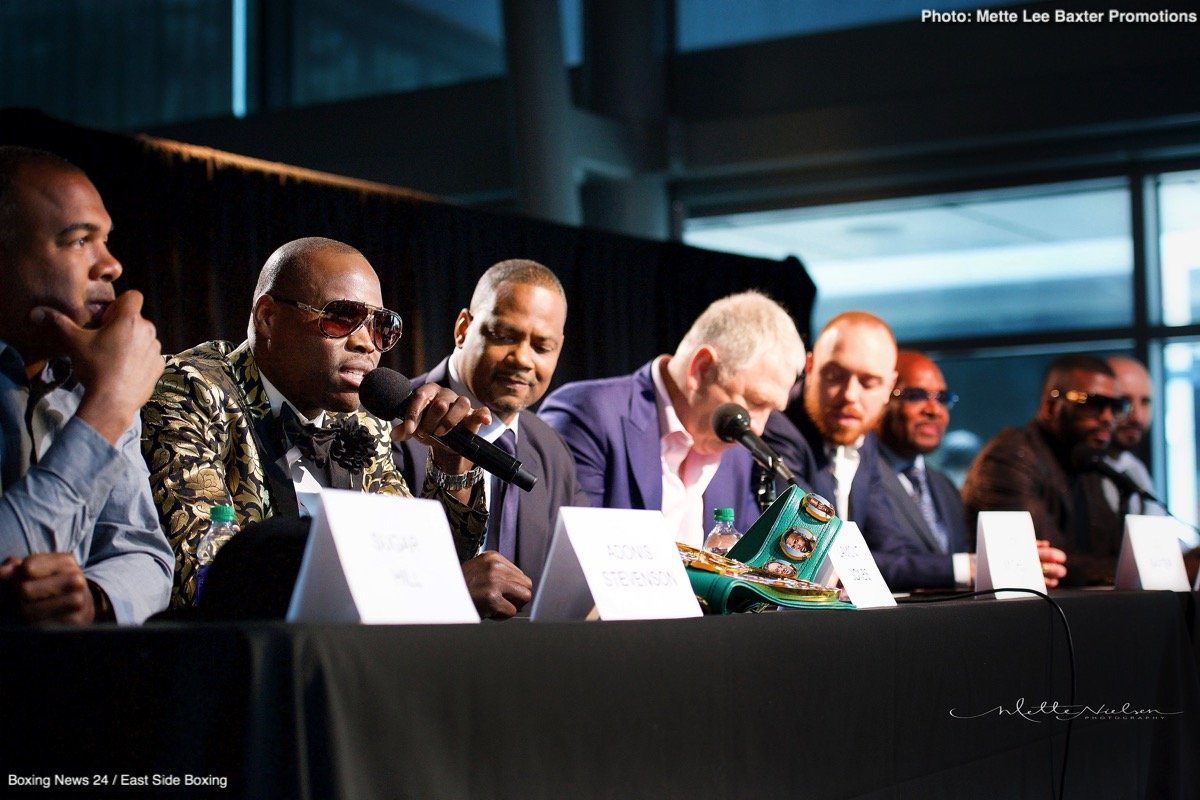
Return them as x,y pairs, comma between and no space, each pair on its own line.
204,362
596,394
1009,443
544,438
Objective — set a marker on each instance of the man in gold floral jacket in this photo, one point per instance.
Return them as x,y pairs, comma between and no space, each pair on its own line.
251,425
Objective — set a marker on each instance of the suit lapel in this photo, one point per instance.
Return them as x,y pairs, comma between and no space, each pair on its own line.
642,440
532,511
903,503
949,511
266,439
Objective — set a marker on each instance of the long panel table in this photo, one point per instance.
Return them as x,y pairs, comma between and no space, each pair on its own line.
945,700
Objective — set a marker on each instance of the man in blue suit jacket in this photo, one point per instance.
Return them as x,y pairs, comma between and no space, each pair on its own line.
646,440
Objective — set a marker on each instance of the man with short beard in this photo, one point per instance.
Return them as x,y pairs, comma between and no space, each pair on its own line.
1042,468
850,374
1128,435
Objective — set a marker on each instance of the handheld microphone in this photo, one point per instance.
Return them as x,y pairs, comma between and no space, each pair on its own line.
1086,458
731,422
386,394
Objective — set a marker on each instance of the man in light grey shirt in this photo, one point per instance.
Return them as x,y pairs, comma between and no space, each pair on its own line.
79,534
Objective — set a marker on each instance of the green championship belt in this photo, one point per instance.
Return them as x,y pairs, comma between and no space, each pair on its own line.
776,561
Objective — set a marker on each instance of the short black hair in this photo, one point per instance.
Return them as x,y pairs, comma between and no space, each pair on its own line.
1073,362
14,158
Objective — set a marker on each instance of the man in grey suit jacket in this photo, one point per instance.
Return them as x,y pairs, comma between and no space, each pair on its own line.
506,348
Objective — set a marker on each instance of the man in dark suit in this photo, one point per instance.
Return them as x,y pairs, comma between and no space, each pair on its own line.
926,502
1045,467
646,440
506,348
851,373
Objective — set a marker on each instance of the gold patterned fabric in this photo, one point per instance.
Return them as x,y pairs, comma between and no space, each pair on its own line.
199,441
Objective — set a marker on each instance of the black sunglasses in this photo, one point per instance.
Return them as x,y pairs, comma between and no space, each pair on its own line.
1094,403
340,318
915,395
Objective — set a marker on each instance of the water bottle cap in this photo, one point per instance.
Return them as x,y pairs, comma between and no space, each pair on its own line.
723,514
221,513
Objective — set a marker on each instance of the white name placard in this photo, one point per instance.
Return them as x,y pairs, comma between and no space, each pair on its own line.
1150,557
380,559
851,559
622,562
1006,554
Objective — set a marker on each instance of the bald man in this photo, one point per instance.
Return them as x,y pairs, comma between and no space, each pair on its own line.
926,501
243,425
1129,434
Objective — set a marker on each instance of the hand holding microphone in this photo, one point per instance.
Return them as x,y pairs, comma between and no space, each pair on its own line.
731,422
387,394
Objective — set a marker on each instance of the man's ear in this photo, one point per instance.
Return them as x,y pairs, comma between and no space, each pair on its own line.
264,316
702,367
460,327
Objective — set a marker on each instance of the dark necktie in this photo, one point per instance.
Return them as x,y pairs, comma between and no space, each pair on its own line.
316,446
502,516
924,501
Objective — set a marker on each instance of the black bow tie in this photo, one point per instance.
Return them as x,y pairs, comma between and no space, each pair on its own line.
344,441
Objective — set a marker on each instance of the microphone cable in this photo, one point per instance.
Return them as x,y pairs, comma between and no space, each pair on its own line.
1062,781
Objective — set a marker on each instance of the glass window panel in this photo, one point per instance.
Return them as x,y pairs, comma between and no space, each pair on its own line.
1181,367
1179,246
703,24
991,263
117,64
995,391
357,48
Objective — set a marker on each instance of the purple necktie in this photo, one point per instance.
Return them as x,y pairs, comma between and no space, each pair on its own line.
924,500
502,515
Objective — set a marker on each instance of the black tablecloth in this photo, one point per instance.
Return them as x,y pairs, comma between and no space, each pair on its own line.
940,700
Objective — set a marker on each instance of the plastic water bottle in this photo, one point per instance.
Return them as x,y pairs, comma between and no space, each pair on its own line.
723,536
220,530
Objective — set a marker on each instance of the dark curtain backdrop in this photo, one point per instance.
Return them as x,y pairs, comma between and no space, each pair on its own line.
194,225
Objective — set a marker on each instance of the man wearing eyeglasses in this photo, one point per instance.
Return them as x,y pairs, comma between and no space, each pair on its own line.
1044,468
927,503
259,424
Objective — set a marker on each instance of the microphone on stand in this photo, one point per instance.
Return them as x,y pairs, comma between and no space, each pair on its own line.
731,422
386,394
1090,459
